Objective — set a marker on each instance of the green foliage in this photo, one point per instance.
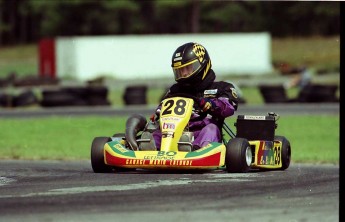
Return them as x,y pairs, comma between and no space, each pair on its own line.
105,17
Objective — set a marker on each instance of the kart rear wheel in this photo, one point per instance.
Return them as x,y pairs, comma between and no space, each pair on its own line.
286,151
238,157
97,155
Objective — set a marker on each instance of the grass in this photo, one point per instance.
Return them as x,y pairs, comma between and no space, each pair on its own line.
314,139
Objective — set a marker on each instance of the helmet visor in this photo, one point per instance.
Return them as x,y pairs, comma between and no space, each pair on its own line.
186,70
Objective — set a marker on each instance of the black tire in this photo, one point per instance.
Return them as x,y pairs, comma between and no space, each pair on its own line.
317,93
98,91
135,95
273,93
98,101
57,97
77,92
68,96
25,98
286,151
238,157
6,100
97,155
97,96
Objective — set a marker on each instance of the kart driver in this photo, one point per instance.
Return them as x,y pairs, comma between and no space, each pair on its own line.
191,65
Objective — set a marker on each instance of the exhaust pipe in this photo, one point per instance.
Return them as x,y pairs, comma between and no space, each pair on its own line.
134,124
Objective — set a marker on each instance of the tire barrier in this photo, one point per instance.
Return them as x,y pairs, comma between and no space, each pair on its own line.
6,100
98,96
135,95
317,93
273,93
62,97
25,98
53,97
8,80
311,93
241,100
75,96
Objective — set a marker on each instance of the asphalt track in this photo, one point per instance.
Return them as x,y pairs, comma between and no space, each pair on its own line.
70,191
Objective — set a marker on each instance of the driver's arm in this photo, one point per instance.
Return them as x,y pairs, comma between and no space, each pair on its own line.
222,107
226,103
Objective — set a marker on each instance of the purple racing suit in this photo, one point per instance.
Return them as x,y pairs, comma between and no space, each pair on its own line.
208,129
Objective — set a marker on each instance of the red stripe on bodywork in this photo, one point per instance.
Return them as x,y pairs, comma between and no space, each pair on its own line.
212,160
113,160
260,151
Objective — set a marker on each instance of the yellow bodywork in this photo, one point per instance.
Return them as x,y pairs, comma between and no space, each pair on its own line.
268,154
175,115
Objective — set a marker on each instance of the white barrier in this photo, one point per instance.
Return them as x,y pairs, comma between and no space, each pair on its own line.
149,56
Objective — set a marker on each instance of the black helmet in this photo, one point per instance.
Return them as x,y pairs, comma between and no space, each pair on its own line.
190,63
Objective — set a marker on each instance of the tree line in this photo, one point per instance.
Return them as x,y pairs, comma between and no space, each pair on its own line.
27,21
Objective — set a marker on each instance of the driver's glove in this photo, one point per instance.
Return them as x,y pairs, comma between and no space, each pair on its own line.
206,104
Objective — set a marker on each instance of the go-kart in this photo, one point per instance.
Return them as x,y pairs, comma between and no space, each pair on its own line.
254,146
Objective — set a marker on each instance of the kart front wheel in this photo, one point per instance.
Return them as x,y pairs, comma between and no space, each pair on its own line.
97,155
286,151
238,157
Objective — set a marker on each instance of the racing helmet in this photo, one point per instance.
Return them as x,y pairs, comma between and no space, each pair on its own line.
190,63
